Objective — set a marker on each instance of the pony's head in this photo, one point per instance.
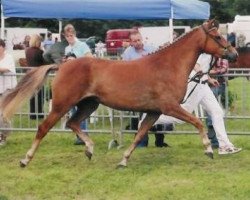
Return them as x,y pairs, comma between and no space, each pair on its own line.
215,43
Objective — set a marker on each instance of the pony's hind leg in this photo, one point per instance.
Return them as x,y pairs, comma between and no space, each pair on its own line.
146,124
178,112
43,129
84,109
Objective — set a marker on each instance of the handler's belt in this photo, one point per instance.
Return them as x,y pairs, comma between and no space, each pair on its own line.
199,81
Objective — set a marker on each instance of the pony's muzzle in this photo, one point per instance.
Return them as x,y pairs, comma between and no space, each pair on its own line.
230,56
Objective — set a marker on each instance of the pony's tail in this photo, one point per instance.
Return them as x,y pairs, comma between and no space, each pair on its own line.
25,89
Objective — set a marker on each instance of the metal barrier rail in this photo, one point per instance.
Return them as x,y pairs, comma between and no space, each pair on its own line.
106,120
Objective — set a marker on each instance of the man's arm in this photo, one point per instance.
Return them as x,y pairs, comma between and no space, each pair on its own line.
220,68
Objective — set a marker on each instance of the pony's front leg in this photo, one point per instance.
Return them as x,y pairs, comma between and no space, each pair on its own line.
178,112
128,153
146,124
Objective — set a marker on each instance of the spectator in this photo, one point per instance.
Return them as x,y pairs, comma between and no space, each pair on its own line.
197,93
232,38
7,81
100,49
26,41
74,50
241,40
47,43
220,67
34,57
56,52
135,51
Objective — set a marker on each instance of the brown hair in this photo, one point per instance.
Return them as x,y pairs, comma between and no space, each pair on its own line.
69,28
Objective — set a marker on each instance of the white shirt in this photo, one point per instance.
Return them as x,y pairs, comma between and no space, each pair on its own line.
204,61
78,48
8,79
131,53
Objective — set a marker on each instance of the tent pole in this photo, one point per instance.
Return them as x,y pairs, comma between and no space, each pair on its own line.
171,27
60,26
2,23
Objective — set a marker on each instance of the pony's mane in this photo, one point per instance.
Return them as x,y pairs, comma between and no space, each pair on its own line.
167,44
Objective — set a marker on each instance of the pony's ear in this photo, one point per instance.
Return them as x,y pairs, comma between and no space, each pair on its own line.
213,23
209,21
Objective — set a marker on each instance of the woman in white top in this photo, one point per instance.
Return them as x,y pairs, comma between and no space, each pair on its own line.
7,81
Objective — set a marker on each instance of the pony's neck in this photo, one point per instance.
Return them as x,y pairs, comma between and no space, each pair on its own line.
185,50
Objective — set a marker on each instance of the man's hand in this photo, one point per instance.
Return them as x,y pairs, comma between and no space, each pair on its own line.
213,82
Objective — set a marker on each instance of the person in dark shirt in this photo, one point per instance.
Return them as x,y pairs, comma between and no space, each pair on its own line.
56,52
34,57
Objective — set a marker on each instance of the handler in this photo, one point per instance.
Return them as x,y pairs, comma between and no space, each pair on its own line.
198,92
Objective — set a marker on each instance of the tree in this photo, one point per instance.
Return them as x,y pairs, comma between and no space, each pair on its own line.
225,10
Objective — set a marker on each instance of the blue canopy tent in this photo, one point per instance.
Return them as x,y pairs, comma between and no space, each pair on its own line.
105,9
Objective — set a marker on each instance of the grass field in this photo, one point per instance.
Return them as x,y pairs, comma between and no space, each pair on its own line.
59,171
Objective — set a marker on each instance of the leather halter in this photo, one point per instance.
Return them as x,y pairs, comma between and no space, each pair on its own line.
226,48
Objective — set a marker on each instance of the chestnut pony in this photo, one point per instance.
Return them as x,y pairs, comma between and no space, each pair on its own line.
154,84
243,61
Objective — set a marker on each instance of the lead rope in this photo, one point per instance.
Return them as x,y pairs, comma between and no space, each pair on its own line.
197,77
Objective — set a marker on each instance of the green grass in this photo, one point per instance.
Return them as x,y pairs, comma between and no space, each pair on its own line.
60,171
240,90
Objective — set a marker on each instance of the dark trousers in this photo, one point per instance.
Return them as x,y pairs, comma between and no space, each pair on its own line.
36,105
159,137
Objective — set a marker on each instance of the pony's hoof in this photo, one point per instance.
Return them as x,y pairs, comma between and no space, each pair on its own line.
88,154
209,154
121,166
22,164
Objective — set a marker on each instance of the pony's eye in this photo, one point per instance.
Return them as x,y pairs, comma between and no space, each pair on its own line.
218,37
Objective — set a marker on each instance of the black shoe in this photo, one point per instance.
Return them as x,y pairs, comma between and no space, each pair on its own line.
162,145
40,116
165,145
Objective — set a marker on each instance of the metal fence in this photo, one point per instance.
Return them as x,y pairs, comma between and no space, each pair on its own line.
106,120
